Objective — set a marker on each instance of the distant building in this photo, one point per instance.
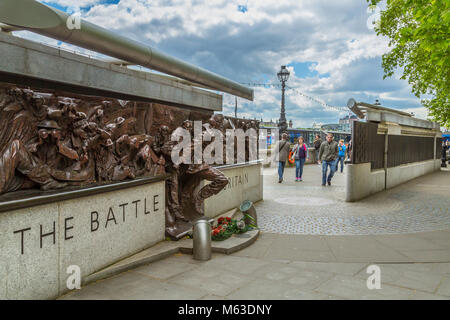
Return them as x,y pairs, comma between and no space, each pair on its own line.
316,125
347,119
271,123
344,125
332,127
346,122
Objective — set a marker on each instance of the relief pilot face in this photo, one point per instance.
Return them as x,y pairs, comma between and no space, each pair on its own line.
43,134
56,134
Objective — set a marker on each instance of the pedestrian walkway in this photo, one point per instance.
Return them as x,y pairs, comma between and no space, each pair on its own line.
308,208
405,231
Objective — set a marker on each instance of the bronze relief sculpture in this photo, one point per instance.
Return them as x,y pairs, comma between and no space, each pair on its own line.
52,140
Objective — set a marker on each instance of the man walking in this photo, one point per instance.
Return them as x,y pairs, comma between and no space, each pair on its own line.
283,148
327,155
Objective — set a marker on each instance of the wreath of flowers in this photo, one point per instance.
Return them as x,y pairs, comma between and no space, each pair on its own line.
226,227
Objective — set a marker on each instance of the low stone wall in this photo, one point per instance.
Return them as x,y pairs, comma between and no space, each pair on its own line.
40,242
245,182
403,173
362,182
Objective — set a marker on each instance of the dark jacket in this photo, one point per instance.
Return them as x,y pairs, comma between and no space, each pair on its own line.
328,151
317,144
283,147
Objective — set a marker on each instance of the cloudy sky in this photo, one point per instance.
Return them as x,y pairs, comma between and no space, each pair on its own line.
328,47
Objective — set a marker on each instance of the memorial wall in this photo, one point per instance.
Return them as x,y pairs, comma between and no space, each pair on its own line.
86,181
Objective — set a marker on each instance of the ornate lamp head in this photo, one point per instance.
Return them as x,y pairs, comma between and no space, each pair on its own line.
283,74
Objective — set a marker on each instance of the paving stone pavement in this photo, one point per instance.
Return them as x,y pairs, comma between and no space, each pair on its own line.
236,277
410,243
308,208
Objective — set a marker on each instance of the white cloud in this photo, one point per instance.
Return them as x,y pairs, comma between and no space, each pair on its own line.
249,46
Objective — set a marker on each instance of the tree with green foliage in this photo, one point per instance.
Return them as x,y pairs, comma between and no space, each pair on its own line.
419,34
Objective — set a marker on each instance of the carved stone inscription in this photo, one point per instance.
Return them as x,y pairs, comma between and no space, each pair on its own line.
99,219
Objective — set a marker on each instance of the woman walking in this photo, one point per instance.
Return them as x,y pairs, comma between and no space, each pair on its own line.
300,155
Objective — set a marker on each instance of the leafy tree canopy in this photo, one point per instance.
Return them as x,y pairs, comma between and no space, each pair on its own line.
419,34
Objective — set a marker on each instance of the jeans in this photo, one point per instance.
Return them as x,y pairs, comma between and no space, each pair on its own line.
299,163
332,165
317,155
281,165
341,161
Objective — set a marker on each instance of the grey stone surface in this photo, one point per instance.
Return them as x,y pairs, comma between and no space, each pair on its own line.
348,269
262,289
244,183
33,274
408,276
24,57
351,288
133,285
362,182
67,238
428,255
241,265
163,270
444,287
403,173
293,275
214,280
129,233
362,249
235,277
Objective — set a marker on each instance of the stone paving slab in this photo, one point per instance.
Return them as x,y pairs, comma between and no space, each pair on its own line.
235,277
408,276
444,287
275,290
320,251
166,248
211,279
351,288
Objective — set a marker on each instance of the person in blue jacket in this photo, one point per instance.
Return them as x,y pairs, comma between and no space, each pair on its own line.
341,155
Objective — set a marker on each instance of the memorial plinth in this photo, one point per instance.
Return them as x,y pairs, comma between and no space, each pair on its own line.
40,242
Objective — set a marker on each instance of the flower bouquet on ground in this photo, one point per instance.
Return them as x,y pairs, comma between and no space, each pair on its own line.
226,227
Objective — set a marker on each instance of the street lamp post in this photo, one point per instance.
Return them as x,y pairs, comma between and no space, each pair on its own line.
283,76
